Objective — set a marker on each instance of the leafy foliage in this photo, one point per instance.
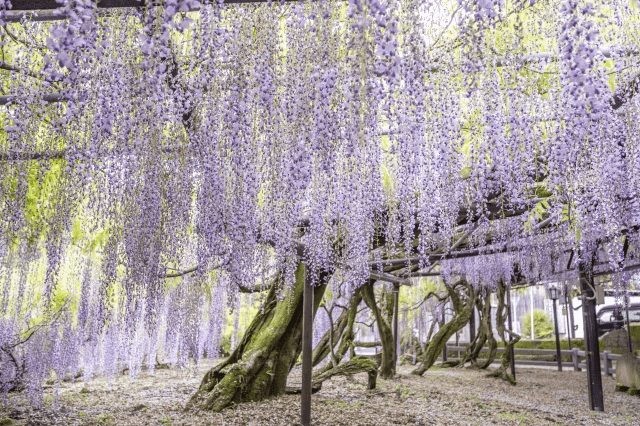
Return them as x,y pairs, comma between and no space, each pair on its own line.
542,323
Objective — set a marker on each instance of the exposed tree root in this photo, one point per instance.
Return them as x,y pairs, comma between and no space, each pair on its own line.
259,365
359,364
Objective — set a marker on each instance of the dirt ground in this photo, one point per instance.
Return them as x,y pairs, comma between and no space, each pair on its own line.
440,397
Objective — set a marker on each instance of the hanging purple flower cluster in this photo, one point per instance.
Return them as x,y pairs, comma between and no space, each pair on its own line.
216,144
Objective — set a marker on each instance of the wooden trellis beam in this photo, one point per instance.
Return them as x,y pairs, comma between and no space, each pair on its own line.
102,4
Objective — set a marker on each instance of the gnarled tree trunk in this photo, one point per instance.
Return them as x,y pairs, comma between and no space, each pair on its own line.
388,363
487,336
260,364
463,307
501,317
322,349
346,341
485,333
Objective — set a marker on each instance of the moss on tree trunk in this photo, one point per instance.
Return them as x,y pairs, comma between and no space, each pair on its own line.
463,307
487,336
359,364
388,362
259,365
501,317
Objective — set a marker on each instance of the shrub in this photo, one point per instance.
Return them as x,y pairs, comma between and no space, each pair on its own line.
542,324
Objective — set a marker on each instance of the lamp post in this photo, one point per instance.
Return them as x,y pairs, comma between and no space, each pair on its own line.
553,295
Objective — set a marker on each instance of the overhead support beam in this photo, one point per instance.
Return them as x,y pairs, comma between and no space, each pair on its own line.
53,4
457,244
102,4
50,98
434,257
383,276
34,16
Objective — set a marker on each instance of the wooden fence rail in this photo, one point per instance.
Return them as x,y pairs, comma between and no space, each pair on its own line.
575,354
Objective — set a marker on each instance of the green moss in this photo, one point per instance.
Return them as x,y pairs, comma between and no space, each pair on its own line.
364,363
270,335
621,388
6,422
260,385
225,391
633,392
635,331
104,418
520,418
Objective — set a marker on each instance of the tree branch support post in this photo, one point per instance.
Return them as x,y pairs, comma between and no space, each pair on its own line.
555,326
511,352
307,348
572,320
592,349
396,338
568,312
626,309
444,348
472,328
533,327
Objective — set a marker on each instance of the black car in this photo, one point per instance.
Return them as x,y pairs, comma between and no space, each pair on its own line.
613,317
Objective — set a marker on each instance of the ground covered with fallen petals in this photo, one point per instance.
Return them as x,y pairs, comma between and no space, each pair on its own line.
440,397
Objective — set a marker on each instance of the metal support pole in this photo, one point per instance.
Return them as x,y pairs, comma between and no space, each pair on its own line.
511,351
626,308
307,337
569,312
396,340
472,325
572,320
444,349
592,349
555,326
533,328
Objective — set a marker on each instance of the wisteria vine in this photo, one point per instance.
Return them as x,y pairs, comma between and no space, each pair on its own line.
228,139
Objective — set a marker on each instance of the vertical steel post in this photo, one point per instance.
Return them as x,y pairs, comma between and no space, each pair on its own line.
472,325
592,348
396,340
533,327
511,351
444,349
555,326
572,318
569,314
626,308
307,337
